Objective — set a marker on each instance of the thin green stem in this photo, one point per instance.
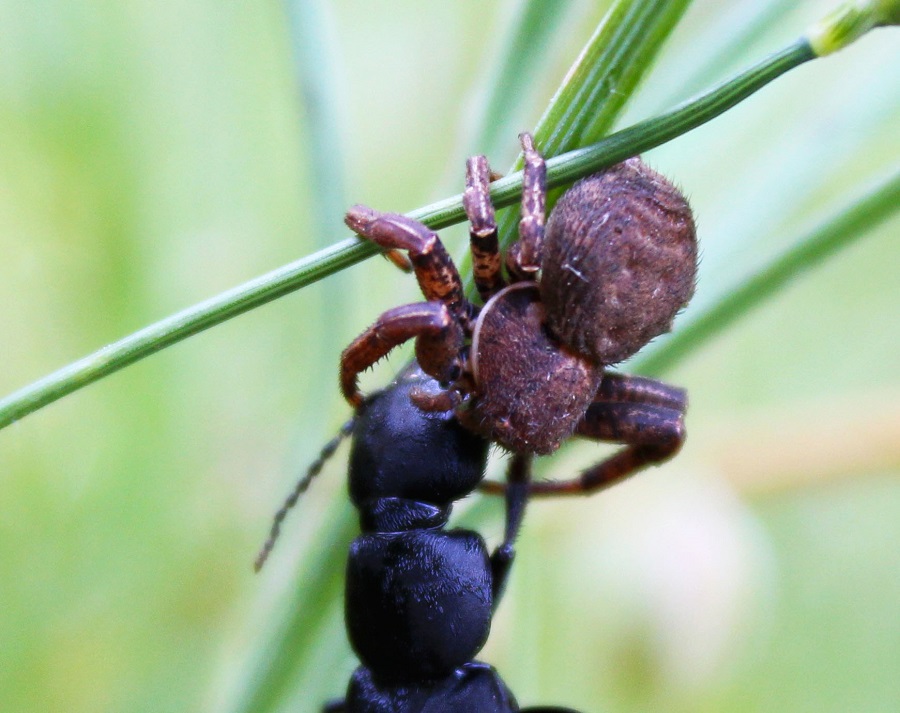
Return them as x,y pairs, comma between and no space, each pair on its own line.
742,26
179,326
689,115
846,228
560,170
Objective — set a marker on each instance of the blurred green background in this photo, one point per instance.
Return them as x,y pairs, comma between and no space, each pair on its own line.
152,155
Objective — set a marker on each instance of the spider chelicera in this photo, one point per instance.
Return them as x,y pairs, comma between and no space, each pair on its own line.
614,264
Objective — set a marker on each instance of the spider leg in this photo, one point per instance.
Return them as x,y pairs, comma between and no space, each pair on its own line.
653,434
439,338
627,388
523,259
646,415
482,228
437,275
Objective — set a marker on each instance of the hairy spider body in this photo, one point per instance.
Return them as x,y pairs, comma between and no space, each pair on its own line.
527,405
625,229
614,264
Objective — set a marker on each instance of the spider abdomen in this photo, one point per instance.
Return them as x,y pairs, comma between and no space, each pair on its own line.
620,256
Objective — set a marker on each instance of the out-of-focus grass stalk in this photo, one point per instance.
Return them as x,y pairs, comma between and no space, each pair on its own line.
277,663
533,27
316,82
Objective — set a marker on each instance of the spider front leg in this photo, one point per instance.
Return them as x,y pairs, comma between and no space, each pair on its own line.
436,274
482,229
439,340
523,259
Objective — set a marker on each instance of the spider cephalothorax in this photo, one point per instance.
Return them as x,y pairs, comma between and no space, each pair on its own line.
614,264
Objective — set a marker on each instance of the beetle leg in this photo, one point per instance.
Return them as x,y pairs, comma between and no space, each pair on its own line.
518,477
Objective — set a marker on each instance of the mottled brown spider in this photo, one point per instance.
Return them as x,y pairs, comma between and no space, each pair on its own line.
615,263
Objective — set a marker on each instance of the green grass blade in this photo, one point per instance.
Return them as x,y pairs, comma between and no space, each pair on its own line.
606,73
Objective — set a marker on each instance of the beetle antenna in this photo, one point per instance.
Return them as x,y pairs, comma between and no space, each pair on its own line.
302,485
